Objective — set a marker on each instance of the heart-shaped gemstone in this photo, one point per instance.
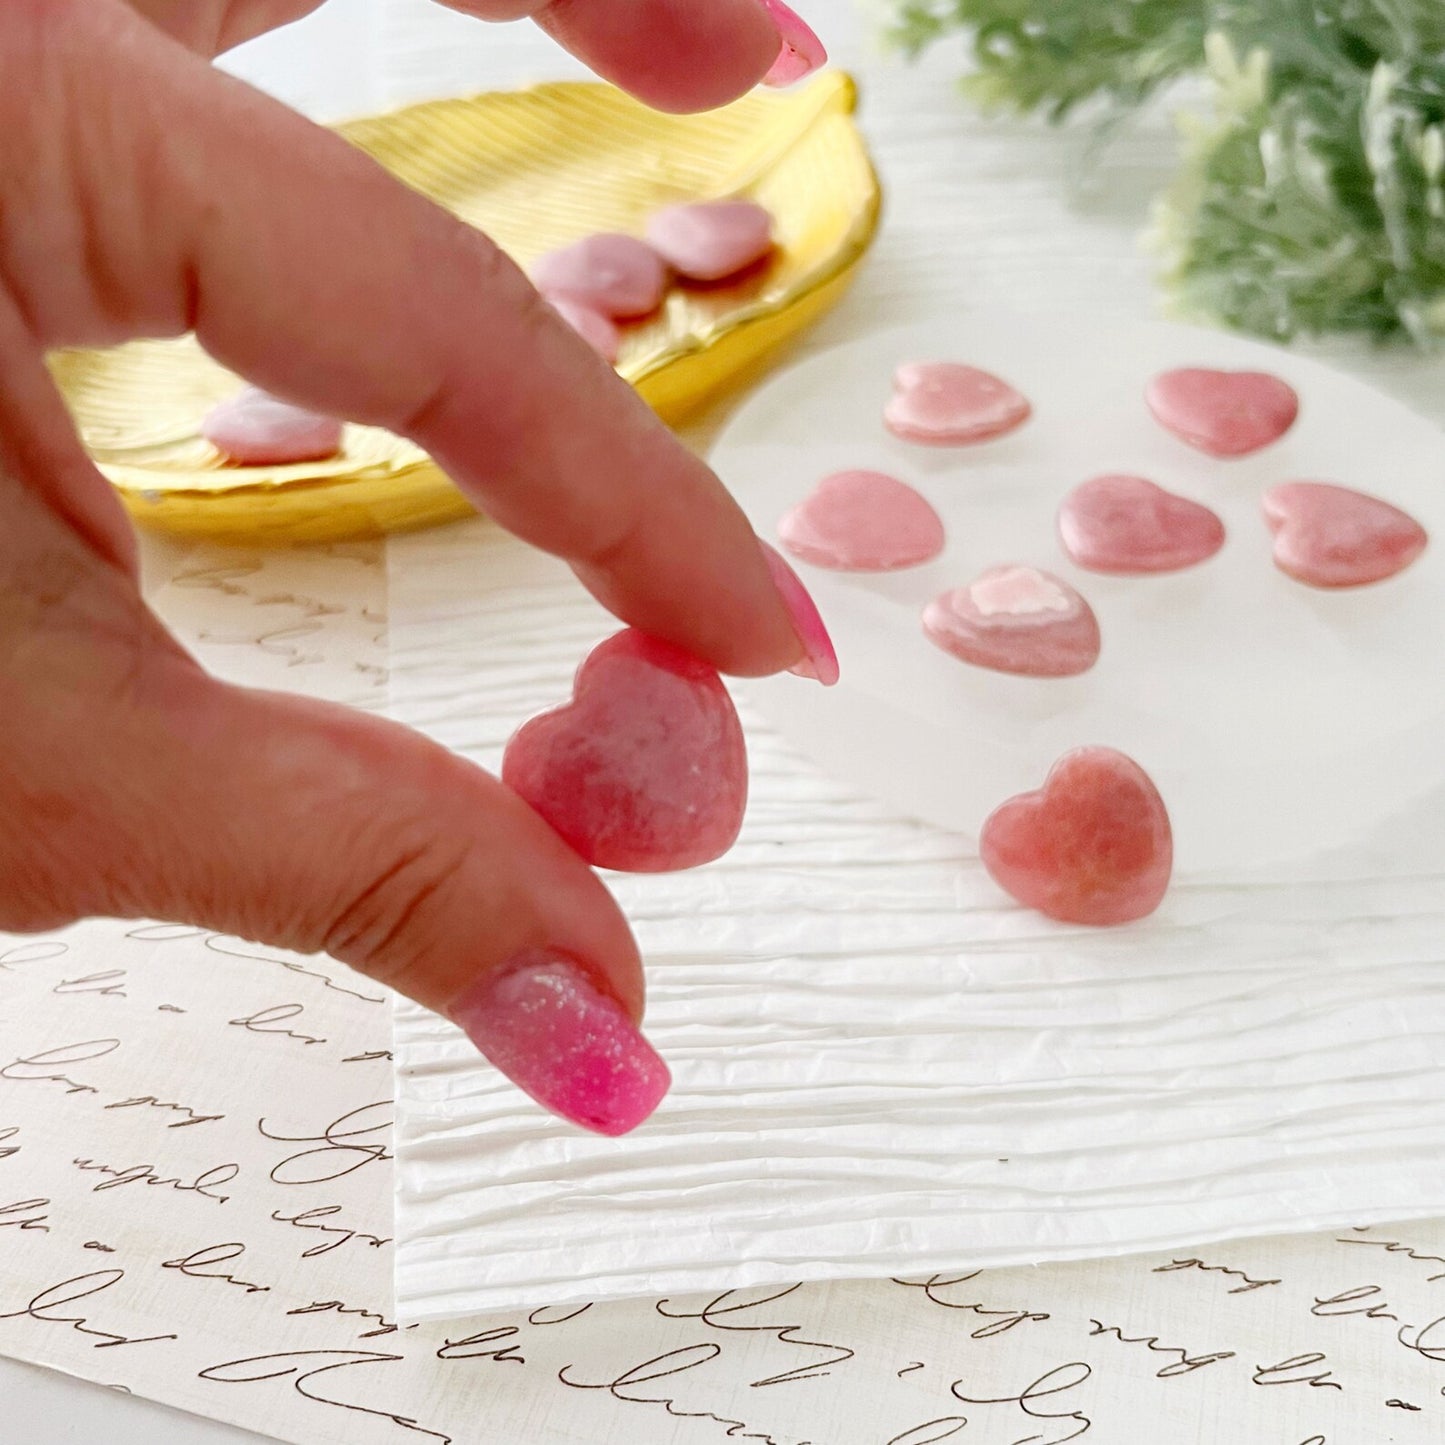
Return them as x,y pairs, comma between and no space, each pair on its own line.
863,522
1329,536
593,327
255,429
1093,845
943,403
1127,526
645,770
1224,413
1016,619
708,240
619,276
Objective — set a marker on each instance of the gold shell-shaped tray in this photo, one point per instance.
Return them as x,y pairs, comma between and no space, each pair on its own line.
535,169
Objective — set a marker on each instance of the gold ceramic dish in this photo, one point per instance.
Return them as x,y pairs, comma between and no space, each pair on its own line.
535,169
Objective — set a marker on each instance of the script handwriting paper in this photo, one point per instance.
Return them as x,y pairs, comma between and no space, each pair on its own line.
880,1065
227,1246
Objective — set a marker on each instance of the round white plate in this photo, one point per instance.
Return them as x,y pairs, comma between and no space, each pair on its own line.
1277,720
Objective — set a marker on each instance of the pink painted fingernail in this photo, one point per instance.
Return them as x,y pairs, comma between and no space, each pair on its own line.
802,52
820,662
546,1025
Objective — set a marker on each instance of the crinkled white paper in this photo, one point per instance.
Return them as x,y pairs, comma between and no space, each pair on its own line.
883,1068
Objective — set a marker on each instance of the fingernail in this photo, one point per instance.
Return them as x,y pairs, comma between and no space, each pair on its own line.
546,1025
820,661
802,51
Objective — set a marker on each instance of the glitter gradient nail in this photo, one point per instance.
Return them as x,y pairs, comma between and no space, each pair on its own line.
802,52
546,1025
820,662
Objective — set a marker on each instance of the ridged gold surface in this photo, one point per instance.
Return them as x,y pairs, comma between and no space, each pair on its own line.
535,169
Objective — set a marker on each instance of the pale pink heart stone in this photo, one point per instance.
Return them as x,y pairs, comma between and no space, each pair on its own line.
861,521
1128,526
1016,619
944,403
593,327
1092,846
645,770
708,240
255,429
1224,413
619,276
1329,536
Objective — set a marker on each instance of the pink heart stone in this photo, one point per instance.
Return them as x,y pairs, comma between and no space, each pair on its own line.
255,429
1328,536
1092,846
863,522
1224,413
1128,526
942,403
592,326
645,770
708,240
619,276
1016,619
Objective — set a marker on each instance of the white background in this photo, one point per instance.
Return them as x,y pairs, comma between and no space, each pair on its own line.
978,213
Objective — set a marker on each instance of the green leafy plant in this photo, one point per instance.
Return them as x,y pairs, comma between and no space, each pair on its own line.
1310,197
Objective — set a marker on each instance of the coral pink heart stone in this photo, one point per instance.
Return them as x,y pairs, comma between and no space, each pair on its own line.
256,429
1092,846
1224,413
1128,526
1016,619
944,403
709,240
597,330
645,770
1329,536
861,521
619,276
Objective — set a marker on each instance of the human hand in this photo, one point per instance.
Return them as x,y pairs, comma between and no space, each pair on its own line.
143,193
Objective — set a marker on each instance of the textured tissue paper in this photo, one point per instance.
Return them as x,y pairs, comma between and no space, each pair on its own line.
882,1067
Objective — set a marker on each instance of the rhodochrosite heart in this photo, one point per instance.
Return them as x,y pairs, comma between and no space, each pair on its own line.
862,521
617,275
1016,619
1093,845
257,429
1224,413
1128,526
1330,536
708,240
645,770
943,403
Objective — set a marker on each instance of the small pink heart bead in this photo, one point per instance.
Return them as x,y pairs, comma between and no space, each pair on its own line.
255,429
619,276
1016,619
860,521
1329,536
1092,846
593,327
1224,413
943,403
645,770
1127,526
708,240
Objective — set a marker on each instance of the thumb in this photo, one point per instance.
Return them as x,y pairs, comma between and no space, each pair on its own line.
136,786
330,831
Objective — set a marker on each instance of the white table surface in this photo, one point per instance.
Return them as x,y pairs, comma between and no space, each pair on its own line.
978,213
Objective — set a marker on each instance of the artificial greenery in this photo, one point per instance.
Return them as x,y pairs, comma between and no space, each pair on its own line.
1310,198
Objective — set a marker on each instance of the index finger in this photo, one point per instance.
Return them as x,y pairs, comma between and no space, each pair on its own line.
677,55
303,266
